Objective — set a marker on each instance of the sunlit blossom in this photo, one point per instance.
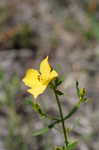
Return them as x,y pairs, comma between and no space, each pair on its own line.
37,81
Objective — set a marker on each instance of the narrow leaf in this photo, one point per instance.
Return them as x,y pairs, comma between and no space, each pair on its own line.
58,81
71,146
59,92
40,131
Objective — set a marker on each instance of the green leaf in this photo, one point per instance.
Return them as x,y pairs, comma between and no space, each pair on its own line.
71,146
51,85
59,92
58,82
77,88
38,109
40,131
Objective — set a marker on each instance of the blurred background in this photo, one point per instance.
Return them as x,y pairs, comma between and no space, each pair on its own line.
68,32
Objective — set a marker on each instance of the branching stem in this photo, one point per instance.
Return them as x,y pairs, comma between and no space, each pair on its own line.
62,118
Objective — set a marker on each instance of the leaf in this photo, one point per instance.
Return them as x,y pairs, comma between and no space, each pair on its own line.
51,85
59,92
77,88
38,109
71,146
58,82
40,131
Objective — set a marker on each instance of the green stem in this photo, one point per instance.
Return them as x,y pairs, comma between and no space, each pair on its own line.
74,109
62,118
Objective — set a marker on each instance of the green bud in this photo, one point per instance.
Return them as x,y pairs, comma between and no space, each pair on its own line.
82,92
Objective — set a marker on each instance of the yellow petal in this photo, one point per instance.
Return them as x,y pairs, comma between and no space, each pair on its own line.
46,79
31,77
53,74
45,68
47,74
37,89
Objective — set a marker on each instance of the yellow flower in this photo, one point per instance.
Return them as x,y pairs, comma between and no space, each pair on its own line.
38,81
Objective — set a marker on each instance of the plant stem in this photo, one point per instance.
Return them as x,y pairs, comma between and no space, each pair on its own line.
74,109
62,118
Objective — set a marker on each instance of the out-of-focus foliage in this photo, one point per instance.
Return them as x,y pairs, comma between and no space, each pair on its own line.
9,90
